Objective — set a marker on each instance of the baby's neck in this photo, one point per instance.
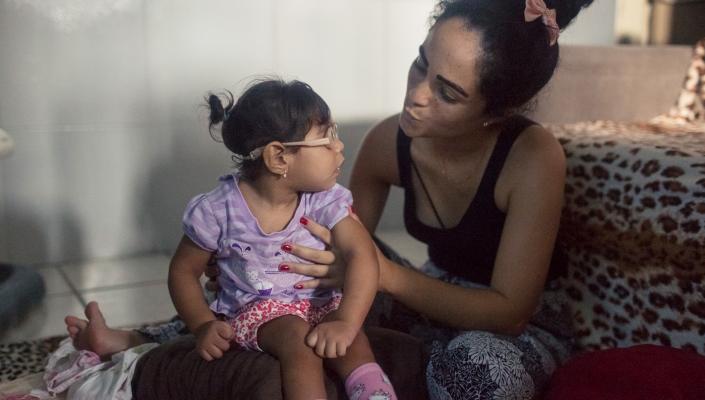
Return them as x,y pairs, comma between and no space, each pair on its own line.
271,203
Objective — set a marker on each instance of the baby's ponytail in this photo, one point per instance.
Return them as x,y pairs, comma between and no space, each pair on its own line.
218,112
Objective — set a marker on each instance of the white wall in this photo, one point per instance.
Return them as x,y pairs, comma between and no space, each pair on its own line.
594,25
102,98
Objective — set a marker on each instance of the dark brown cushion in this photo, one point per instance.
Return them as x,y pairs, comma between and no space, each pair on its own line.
174,371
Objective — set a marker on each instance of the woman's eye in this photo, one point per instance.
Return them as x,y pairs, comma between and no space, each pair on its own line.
446,96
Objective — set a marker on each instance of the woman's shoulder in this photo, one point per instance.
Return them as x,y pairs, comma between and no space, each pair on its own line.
536,145
385,131
536,159
377,155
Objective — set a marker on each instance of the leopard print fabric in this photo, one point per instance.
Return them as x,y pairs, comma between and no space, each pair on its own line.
691,100
24,358
633,228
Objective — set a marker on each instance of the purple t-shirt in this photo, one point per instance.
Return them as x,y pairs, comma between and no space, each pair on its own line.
221,222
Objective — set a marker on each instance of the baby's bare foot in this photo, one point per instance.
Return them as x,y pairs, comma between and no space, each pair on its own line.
95,335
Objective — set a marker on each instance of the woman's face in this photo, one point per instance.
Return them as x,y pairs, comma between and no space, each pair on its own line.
442,95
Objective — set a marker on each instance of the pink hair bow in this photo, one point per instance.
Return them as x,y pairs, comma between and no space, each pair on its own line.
537,8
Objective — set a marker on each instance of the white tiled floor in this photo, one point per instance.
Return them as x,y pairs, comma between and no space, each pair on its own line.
131,291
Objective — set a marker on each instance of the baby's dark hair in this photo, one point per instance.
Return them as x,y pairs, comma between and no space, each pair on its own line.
518,59
268,110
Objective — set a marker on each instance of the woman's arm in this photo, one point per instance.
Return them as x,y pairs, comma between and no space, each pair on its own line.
375,170
535,175
187,265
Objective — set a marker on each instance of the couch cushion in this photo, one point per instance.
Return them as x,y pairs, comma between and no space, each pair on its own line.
640,372
633,229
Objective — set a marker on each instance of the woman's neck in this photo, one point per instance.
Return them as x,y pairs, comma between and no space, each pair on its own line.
461,147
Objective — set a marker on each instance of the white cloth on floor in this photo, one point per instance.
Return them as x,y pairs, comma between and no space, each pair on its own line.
86,377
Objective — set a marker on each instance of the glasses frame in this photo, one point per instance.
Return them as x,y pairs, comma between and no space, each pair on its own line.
331,136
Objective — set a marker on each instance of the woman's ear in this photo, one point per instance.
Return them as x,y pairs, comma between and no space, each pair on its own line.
275,158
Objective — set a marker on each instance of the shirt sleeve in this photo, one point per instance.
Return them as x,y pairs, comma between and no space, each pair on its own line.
332,205
200,225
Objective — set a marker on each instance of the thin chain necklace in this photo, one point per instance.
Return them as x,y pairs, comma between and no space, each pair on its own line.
444,172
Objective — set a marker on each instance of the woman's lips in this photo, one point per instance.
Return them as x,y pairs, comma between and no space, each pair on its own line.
407,115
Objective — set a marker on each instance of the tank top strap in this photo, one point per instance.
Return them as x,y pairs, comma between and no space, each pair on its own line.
404,158
512,127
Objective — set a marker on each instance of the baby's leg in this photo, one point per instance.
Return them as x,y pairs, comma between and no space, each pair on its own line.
302,369
363,377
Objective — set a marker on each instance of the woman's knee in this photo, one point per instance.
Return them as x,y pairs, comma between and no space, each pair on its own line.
478,365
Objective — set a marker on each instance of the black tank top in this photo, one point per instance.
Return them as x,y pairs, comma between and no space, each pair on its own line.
469,249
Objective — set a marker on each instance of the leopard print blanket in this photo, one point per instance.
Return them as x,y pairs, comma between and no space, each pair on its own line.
633,228
690,106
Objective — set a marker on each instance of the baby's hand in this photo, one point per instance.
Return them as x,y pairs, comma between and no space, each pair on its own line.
212,339
331,339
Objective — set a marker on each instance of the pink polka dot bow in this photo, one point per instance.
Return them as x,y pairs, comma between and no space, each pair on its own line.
537,8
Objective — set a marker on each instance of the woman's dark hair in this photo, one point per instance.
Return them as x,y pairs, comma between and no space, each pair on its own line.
518,59
268,110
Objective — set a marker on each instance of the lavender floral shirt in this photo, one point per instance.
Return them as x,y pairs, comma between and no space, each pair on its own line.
221,222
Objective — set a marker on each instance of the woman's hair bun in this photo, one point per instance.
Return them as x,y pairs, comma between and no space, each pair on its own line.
567,10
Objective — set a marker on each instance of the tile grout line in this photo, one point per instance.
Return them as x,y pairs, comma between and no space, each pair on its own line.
124,286
71,286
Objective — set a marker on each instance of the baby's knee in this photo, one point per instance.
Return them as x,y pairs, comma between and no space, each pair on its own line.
285,337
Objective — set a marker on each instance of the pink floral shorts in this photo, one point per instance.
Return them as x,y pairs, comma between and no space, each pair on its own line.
248,320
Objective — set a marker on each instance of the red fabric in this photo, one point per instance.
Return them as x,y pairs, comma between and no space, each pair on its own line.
640,372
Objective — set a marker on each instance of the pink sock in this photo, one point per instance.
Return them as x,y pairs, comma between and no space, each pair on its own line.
368,382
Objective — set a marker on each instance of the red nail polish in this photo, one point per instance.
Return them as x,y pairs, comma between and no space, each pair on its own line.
303,221
283,267
286,247
298,286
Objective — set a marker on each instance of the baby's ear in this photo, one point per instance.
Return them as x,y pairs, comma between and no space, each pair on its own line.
275,158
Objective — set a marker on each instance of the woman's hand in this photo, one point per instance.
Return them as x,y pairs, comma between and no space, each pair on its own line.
327,268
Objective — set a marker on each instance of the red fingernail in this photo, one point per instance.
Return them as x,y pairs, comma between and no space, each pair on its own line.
286,247
303,221
298,286
283,267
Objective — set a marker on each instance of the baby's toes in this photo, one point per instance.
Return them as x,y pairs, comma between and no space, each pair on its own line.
73,331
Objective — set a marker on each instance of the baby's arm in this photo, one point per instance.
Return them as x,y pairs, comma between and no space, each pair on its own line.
332,338
187,266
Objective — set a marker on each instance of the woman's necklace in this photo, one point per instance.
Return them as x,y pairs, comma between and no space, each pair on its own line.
458,181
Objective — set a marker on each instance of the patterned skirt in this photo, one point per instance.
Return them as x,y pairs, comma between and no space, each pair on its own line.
476,364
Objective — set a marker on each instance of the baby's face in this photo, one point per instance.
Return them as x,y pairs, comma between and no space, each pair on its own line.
316,168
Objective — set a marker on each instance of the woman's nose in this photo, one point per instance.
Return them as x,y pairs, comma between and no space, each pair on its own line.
419,94
339,146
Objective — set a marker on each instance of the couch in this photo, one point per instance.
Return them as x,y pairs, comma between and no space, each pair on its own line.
633,228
